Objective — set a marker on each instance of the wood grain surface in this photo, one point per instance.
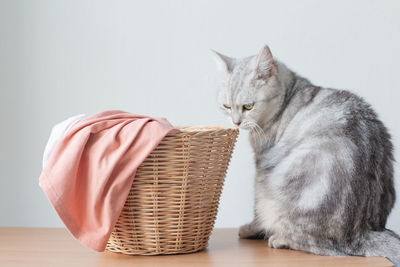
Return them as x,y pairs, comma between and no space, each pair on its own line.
56,247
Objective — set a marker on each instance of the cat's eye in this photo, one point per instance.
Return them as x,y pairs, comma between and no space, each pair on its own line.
248,106
227,106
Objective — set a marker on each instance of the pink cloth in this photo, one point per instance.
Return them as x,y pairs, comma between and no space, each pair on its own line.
90,171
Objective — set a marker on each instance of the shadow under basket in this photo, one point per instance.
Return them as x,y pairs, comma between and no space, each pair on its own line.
173,202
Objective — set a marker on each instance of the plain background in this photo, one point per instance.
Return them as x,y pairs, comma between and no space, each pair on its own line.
61,58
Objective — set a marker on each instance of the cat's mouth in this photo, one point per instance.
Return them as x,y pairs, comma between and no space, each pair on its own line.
245,125
254,129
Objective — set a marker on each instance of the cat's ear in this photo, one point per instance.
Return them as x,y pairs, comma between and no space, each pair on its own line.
224,63
265,67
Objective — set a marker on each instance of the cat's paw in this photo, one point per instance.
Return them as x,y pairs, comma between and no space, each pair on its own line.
275,241
249,231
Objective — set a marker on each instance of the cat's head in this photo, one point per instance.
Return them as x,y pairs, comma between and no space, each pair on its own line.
249,93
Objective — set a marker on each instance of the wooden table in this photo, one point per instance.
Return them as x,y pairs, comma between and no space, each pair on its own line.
55,247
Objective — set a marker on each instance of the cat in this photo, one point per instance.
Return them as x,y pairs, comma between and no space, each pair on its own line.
324,161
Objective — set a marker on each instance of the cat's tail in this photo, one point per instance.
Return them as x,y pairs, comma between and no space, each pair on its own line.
385,243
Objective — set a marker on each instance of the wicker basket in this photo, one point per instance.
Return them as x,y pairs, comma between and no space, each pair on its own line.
173,202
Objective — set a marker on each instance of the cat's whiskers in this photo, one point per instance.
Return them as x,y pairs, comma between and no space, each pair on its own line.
258,132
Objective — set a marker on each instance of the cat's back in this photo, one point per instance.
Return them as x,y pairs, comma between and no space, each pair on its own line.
334,112
338,136
338,124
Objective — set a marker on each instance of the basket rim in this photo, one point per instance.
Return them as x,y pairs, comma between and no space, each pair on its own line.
205,128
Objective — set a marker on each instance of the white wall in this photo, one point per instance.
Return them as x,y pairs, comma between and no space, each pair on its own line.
61,58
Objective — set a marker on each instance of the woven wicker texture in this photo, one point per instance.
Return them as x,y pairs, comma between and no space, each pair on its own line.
173,202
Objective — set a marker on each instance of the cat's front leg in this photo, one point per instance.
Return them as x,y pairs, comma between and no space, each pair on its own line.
276,241
251,231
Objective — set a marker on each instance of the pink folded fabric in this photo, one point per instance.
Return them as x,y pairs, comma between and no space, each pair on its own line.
90,171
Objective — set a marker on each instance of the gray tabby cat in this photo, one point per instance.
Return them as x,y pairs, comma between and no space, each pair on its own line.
324,178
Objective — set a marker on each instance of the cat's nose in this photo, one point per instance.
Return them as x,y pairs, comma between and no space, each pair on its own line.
236,119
